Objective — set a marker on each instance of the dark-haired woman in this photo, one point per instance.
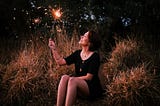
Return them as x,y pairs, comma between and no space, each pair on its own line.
85,83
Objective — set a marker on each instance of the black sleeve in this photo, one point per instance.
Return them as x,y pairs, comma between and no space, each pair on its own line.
94,64
72,58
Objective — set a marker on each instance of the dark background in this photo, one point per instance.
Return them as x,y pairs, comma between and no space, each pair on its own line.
111,17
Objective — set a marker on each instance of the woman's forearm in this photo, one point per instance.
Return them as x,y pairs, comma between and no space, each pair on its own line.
59,60
86,77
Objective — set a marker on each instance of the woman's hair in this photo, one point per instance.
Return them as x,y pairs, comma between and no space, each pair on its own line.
95,41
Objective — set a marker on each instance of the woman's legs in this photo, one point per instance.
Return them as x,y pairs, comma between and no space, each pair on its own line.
62,89
75,86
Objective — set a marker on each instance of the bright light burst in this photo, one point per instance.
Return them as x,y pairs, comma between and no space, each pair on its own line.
56,13
37,20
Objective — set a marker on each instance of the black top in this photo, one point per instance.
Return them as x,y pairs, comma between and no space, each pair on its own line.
82,67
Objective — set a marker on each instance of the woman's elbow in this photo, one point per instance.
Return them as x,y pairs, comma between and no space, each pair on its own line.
61,62
89,76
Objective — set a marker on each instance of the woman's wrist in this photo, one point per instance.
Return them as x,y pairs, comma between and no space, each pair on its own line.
58,58
54,49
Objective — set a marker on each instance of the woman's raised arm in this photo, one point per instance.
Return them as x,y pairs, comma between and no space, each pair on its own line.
59,60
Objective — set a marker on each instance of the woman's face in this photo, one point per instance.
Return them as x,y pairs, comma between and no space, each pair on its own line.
84,40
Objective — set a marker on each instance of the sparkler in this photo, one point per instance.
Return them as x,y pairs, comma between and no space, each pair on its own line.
56,14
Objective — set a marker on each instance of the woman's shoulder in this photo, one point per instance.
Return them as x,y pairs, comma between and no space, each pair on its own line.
95,56
96,53
77,51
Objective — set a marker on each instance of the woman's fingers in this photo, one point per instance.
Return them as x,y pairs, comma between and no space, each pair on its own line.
50,39
51,43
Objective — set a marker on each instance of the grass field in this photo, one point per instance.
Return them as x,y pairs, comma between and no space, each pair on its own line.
29,76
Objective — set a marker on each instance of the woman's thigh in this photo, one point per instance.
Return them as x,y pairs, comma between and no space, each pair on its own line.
82,86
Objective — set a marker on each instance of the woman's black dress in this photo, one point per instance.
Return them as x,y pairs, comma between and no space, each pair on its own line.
82,67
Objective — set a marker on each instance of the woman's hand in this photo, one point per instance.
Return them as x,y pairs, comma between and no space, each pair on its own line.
59,60
51,44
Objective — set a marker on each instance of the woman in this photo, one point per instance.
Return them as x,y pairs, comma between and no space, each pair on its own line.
85,82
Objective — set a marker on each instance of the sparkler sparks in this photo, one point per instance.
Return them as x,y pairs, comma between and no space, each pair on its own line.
37,20
56,13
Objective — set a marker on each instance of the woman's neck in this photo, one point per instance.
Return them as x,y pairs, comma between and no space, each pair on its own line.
85,49
85,53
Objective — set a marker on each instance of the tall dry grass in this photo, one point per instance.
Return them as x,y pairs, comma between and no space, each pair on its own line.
25,76
128,53
129,77
31,77
133,87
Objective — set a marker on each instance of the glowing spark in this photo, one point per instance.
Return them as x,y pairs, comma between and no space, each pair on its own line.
56,13
37,20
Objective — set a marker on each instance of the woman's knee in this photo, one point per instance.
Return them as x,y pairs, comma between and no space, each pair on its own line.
72,81
65,78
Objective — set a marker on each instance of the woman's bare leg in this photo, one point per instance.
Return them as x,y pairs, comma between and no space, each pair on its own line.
62,89
75,86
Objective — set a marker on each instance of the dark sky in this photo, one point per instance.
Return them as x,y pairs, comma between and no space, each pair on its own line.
4,7
7,8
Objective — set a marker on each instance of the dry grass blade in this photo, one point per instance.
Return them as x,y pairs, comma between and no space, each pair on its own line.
30,76
132,87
